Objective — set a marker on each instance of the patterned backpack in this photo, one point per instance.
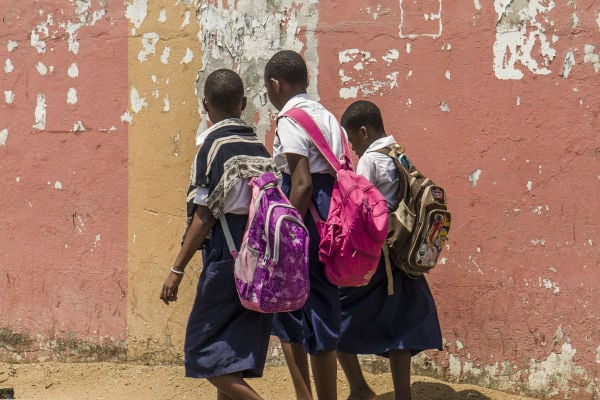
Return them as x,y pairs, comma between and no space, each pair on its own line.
271,267
420,223
355,230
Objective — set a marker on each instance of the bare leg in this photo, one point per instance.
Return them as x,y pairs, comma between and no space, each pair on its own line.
297,362
324,367
400,366
233,387
359,388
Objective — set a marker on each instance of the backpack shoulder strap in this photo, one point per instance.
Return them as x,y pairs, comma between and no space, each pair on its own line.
310,126
403,174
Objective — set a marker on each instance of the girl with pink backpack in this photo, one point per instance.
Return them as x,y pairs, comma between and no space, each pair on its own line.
308,179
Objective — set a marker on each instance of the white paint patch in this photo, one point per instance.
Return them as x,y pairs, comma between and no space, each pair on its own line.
360,76
162,16
3,136
78,127
521,38
136,12
126,117
548,284
529,185
58,185
477,5
186,20
40,112
12,45
568,63
390,56
137,102
189,56
349,92
164,57
72,96
9,96
591,56
37,43
474,177
8,66
41,68
556,373
73,71
149,41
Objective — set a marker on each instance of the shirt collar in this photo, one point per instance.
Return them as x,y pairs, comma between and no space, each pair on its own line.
293,102
386,141
201,136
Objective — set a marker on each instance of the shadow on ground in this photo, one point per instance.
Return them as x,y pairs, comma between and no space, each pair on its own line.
437,391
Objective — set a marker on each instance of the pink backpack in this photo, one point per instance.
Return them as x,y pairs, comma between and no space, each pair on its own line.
355,230
271,268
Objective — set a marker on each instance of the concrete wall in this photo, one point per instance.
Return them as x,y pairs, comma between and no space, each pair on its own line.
498,101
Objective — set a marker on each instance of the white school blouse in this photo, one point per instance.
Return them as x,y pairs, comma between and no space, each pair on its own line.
292,138
380,169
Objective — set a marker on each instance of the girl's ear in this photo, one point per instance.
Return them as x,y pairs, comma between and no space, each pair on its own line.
275,84
363,132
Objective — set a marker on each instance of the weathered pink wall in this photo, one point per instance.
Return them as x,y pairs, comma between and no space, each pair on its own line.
63,173
518,289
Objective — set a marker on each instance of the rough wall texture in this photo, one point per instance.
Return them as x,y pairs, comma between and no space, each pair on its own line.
497,100
63,172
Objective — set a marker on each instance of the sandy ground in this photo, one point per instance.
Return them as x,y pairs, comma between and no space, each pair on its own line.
54,381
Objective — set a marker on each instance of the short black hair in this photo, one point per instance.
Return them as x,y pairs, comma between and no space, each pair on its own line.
224,89
362,113
289,66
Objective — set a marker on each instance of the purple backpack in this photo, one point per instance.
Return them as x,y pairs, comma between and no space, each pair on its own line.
271,267
355,230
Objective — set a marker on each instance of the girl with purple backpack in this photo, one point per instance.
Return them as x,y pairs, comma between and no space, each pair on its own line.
397,325
224,341
308,179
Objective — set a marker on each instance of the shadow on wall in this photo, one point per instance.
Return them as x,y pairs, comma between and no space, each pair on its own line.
437,391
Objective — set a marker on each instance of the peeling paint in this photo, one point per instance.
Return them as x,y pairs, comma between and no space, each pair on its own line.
474,177
591,56
3,136
8,66
72,96
518,31
9,96
40,112
73,71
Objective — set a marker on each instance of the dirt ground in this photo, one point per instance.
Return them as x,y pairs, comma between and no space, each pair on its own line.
97,381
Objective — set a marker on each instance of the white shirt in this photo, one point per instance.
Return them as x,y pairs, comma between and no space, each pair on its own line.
380,169
292,138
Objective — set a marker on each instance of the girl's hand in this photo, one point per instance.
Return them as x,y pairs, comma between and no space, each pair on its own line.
170,287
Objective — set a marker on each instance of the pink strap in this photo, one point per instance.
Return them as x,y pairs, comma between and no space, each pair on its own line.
309,125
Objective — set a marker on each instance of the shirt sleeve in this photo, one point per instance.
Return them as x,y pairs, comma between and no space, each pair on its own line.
292,138
367,168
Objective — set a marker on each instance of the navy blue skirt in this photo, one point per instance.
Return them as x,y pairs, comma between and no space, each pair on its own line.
317,324
374,322
222,336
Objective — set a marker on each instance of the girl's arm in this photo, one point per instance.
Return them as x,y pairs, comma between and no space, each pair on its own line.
201,224
302,186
